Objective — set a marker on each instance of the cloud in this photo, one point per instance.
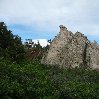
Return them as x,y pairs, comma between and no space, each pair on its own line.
43,42
47,15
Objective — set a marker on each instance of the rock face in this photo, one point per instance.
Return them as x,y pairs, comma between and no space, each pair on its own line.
72,50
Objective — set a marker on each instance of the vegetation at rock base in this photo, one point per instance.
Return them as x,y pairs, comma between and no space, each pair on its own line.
29,79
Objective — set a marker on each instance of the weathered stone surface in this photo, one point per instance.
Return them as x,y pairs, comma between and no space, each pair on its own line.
72,50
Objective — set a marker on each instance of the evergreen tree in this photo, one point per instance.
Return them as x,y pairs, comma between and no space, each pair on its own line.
10,46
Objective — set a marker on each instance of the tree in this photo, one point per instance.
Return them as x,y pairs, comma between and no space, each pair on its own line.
10,46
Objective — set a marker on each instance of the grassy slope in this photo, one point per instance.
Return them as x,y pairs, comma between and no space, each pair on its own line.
31,80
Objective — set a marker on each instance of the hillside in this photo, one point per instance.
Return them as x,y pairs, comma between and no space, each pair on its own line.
31,80
22,76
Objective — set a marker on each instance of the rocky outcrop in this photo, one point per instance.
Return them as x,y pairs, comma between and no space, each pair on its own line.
72,50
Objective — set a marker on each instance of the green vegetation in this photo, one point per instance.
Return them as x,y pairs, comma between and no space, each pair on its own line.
10,45
31,80
23,77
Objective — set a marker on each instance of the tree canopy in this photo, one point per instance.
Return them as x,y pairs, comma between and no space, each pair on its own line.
10,45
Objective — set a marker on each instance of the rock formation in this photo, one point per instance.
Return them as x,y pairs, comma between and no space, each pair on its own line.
72,50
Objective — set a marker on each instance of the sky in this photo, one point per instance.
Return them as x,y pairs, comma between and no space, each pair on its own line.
40,19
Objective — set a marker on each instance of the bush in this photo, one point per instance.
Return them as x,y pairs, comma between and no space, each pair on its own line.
31,80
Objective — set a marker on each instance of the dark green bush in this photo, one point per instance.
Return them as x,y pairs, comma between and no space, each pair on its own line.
31,80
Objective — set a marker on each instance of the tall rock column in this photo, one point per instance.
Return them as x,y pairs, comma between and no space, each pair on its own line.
54,56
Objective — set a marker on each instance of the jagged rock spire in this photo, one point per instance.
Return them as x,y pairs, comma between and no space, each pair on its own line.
72,50
62,28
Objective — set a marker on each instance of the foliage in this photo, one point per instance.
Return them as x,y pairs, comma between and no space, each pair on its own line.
31,80
10,45
35,52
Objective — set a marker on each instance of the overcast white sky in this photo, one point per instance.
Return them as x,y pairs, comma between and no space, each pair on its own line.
39,19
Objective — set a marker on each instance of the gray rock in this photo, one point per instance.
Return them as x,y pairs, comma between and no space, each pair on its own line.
72,50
